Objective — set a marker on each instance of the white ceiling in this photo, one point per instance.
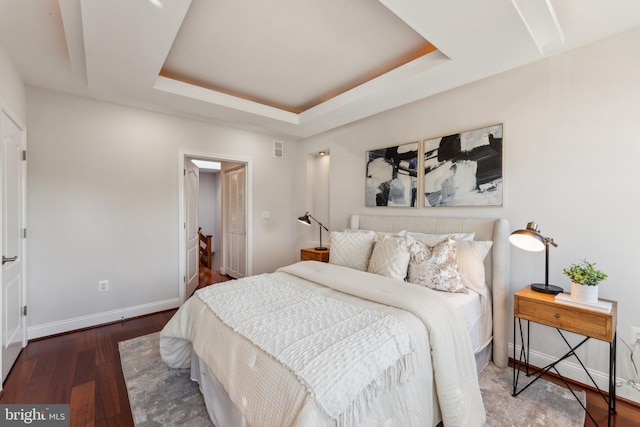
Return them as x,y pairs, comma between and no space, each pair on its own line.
245,49
284,66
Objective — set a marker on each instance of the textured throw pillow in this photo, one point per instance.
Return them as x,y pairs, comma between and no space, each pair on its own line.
351,248
471,257
435,266
381,234
390,257
432,239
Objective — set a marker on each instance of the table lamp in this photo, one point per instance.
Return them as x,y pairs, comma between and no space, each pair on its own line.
306,221
530,239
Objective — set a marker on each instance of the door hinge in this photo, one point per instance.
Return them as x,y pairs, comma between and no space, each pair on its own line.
24,233
184,172
24,155
184,279
24,310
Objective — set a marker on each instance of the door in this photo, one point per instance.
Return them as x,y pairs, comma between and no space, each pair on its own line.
12,143
191,184
235,222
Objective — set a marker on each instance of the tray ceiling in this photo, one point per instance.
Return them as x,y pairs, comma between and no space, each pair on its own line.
291,68
294,60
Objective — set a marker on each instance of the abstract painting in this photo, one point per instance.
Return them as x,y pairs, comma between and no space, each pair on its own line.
392,176
464,169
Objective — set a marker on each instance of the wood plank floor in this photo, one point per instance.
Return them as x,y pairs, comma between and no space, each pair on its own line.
628,413
83,369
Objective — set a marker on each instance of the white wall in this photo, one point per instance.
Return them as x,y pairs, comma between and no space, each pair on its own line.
208,204
12,90
317,194
103,205
571,151
209,213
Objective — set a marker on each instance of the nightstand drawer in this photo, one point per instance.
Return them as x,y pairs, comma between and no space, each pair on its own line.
311,254
542,308
560,317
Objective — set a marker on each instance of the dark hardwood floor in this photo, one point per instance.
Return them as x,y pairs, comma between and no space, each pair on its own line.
83,369
628,413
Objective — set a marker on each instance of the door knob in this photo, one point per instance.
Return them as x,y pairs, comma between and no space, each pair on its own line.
6,260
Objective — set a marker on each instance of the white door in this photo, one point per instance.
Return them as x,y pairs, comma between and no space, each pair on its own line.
235,223
191,185
12,190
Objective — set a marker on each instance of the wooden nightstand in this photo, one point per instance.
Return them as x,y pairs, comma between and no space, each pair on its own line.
312,254
542,308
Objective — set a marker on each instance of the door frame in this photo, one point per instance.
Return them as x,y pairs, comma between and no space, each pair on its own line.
183,154
23,208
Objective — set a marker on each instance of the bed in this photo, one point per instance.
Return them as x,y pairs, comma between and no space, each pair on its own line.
427,345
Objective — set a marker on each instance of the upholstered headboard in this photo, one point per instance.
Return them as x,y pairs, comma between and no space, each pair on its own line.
496,262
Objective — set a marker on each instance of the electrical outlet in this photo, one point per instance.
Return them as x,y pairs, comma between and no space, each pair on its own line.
103,285
635,335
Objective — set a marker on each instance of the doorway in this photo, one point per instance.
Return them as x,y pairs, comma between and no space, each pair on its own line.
190,222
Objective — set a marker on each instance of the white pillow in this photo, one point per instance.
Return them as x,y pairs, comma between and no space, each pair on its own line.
471,257
351,248
435,266
432,239
390,257
381,234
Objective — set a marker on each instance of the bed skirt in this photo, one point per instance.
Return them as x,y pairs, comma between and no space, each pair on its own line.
224,413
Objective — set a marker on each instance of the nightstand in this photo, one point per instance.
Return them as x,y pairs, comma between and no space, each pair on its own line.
542,308
312,254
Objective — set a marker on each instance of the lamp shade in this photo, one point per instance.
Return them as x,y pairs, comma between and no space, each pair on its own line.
304,219
527,240
531,240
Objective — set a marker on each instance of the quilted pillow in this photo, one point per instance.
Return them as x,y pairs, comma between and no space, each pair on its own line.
432,239
381,234
471,257
390,257
435,266
351,248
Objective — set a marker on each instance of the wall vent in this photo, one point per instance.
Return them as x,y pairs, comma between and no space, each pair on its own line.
278,149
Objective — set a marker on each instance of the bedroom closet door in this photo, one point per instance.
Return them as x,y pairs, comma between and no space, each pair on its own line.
191,190
235,222
12,190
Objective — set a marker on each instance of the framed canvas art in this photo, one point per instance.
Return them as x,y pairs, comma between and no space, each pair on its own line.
392,175
464,169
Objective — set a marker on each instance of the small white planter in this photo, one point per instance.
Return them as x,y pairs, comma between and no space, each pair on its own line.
584,293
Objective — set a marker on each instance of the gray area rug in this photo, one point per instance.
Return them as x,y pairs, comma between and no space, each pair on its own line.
542,404
160,396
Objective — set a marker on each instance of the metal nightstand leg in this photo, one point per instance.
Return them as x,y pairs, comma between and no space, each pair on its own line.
524,356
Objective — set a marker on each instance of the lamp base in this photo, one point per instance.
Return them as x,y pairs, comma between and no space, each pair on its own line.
320,248
546,289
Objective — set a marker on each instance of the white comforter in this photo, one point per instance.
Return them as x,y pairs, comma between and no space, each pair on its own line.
268,394
345,355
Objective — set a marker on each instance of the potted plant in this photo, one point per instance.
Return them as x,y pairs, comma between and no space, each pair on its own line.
584,281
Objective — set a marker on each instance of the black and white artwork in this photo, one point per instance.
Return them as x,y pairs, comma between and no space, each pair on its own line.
464,169
392,176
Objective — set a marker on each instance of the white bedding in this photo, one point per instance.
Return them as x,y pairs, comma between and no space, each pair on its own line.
266,393
476,312
344,354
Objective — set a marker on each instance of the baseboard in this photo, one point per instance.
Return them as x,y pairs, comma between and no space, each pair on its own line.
54,328
575,372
